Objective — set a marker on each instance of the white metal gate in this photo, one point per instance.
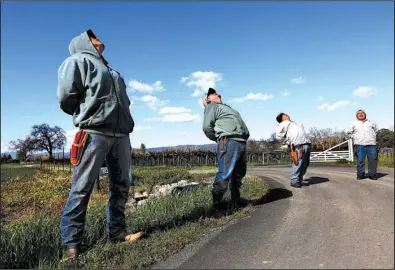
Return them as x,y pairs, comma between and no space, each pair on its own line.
329,155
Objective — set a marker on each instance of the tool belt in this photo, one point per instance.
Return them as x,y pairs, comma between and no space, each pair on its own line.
294,154
78,147
222,144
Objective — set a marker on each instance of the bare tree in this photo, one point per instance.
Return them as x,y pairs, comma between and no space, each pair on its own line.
322,139
24,147
48,138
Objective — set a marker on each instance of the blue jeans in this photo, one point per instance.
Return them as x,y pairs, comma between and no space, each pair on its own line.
371,152
298,171
117,152
232,167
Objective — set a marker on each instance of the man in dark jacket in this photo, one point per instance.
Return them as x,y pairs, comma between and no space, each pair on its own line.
95,95
225,126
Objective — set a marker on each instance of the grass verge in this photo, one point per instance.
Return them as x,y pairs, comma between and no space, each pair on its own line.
26,191
171,222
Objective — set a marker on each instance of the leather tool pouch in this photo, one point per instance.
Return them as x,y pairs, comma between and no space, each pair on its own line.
77,149
301,153
222,145
294,155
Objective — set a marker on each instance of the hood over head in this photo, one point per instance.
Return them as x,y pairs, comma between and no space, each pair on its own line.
83,44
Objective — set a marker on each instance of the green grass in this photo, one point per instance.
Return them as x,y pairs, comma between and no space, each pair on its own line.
386,162
15,172
171,222
26,191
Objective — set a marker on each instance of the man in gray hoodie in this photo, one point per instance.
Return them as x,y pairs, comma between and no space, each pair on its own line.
225,126
95,95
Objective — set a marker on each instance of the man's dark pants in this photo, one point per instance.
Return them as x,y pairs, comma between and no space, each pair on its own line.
371,152
117,152
232,167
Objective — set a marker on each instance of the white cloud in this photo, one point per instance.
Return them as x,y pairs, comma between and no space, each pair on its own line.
131,104
70,134
201,81
139,128
334,106
167,110
252,96
285,93
320,98
153,102
182,117
365,91
298,80
175,117
323,106
197,92
145,87
169,138
153,119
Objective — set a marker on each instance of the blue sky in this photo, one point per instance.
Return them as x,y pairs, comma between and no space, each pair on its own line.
317,61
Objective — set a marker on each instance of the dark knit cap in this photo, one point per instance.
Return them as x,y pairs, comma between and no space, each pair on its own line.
279,117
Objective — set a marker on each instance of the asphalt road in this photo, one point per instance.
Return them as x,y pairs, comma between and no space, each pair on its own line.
337,222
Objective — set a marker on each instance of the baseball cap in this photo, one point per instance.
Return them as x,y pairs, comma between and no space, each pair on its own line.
211,91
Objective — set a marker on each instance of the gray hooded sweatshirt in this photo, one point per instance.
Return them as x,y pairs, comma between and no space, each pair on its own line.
92,92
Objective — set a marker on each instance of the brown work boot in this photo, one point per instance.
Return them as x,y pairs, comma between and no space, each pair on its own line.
127,237
70,253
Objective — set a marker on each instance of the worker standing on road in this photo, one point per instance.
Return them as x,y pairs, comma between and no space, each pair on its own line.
363,133
225,126
294,135
95,95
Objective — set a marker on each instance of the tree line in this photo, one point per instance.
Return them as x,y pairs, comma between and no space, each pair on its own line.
49,139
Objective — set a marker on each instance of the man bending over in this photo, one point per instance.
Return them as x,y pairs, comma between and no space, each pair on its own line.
294,135
225,126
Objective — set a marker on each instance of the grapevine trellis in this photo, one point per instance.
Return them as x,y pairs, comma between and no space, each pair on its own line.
198,158
175,159
183,158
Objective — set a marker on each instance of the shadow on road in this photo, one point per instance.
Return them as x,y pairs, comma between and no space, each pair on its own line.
318,180
275,195
380,175
225,209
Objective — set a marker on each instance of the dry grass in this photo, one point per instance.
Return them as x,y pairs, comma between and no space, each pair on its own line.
170,222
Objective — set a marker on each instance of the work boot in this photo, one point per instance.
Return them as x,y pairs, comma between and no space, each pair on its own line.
127,237
69,254
297,185
219,206
359,177
237,201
